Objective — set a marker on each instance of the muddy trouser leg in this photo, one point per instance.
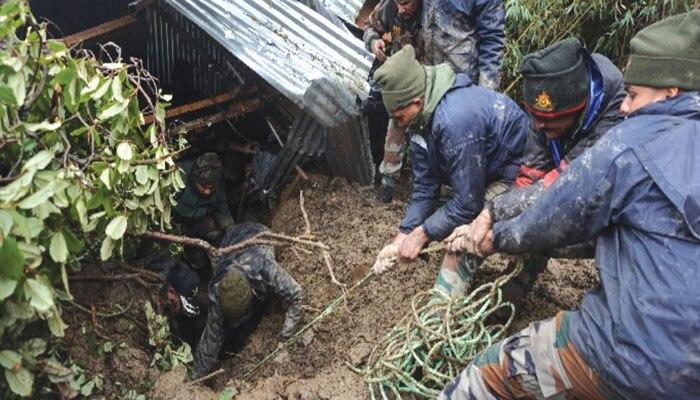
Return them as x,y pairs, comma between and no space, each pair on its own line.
390,168
457,269
538,362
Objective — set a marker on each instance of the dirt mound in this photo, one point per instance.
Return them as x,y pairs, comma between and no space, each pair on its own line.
356,226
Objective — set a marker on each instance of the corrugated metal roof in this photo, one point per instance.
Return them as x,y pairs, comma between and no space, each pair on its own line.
317,65
345,9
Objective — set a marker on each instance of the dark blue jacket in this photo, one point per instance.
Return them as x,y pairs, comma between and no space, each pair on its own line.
476,137
467,34
638,191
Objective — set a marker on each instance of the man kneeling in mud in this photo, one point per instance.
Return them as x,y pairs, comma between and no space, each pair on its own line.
243,280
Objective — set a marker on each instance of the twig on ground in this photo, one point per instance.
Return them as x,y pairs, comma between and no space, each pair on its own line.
206,377
307,231
329,264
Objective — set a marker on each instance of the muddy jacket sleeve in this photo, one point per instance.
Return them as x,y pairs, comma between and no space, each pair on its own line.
378,23
290,292
426,187
490,31
210,343
574,209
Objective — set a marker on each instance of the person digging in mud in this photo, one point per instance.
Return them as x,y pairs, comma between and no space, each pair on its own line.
202,210
573,98
636,191
463,135
243,280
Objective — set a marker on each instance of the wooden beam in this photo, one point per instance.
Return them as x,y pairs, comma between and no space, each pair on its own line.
198,105
235,110
100,30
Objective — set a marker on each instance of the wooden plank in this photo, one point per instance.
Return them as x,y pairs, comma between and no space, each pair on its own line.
200,104
100,30
236,110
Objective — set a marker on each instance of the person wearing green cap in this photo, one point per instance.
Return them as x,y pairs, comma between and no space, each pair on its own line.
637,193
202,210
573,98
465,136
243,281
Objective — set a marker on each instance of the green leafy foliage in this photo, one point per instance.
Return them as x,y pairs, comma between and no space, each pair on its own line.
77,165
604,26
167,356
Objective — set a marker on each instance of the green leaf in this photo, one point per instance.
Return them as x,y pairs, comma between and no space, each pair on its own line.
64,278
10,359
39,161
107,248
20,381
142,174
114,109
17,83
67,74
75,245
12,260
38,197
42,127
228,393
6,222
35,347
56,324
56,46
7,287
40,293
124,151
116,227
7,96
58,248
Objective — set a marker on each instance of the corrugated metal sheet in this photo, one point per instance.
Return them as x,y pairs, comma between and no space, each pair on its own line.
317,65
345,9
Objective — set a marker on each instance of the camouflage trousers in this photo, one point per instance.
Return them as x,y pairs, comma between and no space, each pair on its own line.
394,144
457,269
539,362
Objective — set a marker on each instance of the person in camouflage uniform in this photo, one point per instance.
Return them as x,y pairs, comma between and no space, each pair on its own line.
242,281
636,193
392,25
573,98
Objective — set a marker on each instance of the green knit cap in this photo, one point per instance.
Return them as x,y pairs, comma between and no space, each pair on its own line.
402,79
667,54
207,169
235,296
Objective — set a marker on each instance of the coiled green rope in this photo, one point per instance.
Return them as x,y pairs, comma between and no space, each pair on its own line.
433,343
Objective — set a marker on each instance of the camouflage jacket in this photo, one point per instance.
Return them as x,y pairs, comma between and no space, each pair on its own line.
266,278
385,18
467,34
191,206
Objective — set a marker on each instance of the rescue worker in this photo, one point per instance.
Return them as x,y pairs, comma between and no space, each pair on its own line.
636,190
573,98
469,36
202,210
242,282
391,25
468,137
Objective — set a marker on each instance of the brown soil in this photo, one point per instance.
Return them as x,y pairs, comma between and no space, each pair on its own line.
356,226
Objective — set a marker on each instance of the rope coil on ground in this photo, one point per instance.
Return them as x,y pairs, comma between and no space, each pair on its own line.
434,342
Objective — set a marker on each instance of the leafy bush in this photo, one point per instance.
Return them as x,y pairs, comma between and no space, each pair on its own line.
604,26
78,166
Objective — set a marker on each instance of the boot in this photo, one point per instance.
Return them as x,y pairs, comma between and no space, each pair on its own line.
385,193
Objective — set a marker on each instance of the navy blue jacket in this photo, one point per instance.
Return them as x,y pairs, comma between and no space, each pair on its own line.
638,191
467,34
476,137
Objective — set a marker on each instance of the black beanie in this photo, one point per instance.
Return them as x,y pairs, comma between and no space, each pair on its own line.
555,80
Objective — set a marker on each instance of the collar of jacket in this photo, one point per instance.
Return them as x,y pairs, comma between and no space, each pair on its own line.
685,105
438,80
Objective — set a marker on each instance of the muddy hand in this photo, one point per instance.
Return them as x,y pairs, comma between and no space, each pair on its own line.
386,258
457,241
